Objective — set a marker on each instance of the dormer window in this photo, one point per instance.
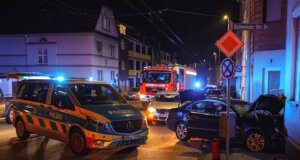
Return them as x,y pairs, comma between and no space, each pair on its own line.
105,23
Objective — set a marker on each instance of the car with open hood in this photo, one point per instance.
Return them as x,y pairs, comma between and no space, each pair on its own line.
160,105
259,126
85,114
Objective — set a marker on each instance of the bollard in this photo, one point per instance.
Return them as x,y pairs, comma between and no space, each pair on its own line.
215,150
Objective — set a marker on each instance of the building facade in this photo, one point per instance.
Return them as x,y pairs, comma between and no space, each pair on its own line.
267,49
78,54
136,51
292,79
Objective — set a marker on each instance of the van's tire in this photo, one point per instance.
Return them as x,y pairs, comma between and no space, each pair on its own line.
256,141
21,130
182,131
78,143
9,116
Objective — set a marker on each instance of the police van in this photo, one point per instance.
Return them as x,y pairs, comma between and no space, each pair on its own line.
85,114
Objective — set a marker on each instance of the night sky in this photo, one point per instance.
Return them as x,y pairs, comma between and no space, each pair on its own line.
198,30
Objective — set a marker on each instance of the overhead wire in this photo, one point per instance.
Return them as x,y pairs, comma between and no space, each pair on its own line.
150,21
170,30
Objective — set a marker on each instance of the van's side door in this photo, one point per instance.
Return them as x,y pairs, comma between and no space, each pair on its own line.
60,111
29,103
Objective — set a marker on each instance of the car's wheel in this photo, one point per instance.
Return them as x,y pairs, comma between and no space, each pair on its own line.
182,131
9,117
78,143
256,141
21,130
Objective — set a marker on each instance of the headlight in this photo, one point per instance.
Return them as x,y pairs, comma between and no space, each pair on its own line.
142,96
151,109
98,123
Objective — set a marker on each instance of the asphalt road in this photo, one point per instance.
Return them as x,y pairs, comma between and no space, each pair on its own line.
162,144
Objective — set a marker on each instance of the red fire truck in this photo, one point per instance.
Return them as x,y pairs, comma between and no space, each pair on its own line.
168,78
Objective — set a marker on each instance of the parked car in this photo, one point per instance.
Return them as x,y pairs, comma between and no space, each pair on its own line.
133,94
215,93
6,108
161,104
258,125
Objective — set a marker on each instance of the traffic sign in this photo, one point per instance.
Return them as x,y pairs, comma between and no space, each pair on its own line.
229,44
227,68
238,68
246,26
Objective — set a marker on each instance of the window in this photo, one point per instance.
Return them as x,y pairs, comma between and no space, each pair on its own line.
42,56
274,82
60,98
138,65
36,92
112,51
122,44
100,75
143,49
150,51
272,10
131,67
105,23
137,48
99,47
122,65
131,46
143,65
112,73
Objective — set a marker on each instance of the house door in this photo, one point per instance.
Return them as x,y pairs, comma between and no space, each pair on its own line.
273,82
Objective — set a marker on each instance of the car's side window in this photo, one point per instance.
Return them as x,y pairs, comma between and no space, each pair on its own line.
60,98
218,108
199,107
36,92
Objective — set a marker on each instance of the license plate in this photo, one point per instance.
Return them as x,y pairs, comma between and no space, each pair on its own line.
130,137
163,115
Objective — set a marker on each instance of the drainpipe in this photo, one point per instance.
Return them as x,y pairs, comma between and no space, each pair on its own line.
26,38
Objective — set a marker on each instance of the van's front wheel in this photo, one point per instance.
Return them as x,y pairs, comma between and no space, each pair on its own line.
78,143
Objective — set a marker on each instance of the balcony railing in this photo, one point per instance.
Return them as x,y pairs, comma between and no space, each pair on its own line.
134,72
139,55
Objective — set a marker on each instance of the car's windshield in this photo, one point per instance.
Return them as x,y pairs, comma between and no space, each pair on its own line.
241,108
167,98
95,94
156,76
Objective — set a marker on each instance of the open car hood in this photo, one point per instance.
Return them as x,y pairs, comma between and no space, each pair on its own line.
191,95
269,102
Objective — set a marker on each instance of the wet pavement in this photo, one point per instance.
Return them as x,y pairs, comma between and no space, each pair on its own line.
161,145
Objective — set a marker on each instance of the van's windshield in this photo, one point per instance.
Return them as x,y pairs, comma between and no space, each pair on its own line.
95,94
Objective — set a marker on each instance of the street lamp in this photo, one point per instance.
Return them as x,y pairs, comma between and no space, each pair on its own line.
215,54
226,17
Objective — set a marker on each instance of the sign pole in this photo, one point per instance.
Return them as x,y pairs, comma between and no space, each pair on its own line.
227,119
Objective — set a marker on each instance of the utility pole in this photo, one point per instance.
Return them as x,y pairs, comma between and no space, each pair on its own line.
245,83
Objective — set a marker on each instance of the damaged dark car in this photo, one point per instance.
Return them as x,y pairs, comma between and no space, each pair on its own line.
259,126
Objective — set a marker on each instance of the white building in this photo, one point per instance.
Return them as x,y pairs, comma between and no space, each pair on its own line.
87,54
292,79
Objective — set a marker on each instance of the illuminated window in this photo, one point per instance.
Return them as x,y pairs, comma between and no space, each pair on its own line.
105,23
122,29
42,56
